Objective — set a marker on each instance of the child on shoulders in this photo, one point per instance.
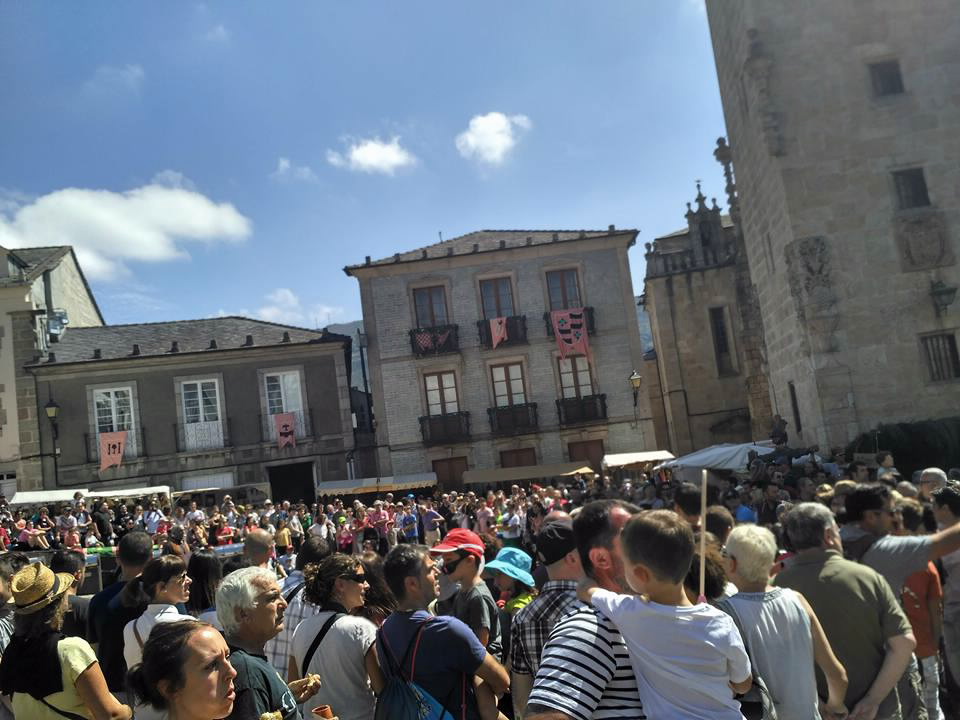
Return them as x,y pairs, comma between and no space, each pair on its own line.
689,659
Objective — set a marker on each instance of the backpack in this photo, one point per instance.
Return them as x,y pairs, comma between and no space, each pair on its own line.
403,699
756,703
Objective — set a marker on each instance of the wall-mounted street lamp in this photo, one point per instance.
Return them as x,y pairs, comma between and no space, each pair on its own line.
943,296
636,380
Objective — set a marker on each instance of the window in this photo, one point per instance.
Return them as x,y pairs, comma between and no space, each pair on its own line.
202,428
114,412
721,342
886,78
575,379
441,393
940,352
431,306
911,189
283,395
564,289
508,385
521,457
497,296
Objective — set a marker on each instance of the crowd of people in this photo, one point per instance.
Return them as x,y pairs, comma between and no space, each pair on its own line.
803,589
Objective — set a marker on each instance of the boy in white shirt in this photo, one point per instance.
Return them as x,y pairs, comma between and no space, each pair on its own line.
689,659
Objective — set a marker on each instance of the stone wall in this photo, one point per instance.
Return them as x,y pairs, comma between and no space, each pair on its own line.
843,276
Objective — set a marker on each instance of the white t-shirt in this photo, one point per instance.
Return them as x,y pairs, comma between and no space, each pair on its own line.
683,657
133,652
340,661
513,530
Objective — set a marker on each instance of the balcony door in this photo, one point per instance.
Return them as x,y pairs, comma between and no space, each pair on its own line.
508,385
284,396
202,416
431,306
575,381
441,390
114,409
497,296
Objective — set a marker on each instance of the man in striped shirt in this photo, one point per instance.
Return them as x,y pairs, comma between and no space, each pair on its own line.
585,671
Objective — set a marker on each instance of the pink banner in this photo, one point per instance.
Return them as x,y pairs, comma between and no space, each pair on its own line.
286,424
498,331
570,329
112,445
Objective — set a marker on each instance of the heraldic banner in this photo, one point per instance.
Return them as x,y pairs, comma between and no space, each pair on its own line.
570,329
498,331
112,445
286,429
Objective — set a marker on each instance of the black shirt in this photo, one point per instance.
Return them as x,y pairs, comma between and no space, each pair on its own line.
110,638
259,688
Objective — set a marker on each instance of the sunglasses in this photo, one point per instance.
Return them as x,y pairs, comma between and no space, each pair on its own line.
355,577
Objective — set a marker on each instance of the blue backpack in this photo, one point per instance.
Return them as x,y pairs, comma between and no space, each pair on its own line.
403,699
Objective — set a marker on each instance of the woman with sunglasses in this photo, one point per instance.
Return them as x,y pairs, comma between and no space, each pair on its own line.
336,645
163,583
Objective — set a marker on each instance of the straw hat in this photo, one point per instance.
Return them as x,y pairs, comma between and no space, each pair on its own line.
36,586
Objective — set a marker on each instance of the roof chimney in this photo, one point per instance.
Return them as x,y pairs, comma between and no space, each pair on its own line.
611,228
213,345
450,250
136,349
476,247
286,336
248,342
96,354
174,347
367,260
423,253
529,239
51,357
556,237
503,244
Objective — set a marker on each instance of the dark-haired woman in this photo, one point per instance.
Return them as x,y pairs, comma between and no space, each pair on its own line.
205,573
185,673
346,657
47,674
163,583
378,600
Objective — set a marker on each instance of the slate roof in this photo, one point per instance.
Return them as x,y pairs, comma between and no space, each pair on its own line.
155,339
36,260
488,241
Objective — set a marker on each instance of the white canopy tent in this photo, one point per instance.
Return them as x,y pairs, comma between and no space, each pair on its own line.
129,492
526,472
616,460
727,456
384,484
45,497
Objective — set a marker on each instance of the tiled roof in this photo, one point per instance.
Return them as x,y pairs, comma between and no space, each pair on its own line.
156,339
488,241
39,259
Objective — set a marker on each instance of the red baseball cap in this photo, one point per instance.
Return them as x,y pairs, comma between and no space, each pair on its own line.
460,539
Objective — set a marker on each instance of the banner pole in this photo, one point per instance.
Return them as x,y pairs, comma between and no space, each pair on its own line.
703,536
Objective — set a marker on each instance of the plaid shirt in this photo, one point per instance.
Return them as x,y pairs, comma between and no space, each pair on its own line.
280,649
532,625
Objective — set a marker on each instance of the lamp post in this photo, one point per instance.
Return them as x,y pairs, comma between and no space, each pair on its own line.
53,411
943,296
636,380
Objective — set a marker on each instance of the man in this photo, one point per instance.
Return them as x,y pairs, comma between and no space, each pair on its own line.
10,564
462,552
557,552
73,563
432,520
946,509
409,522
196,514
250,608
449,653
860,615
299,608
603,684
767,512
256,546
511,529
931,480
153,517
858,471
107,616
686,504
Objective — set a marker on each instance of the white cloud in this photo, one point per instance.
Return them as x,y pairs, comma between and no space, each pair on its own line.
283,306
490,138
373,156
109,229
173,179
287,171
113,80
217,34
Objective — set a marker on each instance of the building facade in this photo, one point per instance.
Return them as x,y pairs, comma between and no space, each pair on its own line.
199,402
42,291
690,294
446,400
844,128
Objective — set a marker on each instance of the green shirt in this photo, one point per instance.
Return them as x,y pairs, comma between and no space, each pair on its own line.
858,612
259,688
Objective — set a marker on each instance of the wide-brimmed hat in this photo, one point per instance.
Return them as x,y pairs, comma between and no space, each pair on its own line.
514,563
36,586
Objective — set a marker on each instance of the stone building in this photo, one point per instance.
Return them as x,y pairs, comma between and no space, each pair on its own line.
447,401
42,291
690,294
844,127
198,400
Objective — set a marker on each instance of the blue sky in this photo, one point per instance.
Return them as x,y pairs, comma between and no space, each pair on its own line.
233,157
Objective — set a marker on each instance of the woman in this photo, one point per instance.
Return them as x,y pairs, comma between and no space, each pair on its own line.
163,583
345,536
205,573
47,674
781,630
186,672
346,657
283,538
31,537
378,600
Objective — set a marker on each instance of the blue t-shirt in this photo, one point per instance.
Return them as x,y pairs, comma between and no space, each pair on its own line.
746,514
448,656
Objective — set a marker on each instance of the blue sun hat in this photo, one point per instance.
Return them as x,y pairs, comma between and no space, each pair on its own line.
514,563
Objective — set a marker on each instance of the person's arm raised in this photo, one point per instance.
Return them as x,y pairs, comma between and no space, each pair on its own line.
944,542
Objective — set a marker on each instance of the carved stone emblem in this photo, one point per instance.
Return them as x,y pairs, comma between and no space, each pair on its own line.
808,268
922,241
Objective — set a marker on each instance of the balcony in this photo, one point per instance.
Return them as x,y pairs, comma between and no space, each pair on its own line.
303,426
198,436
513,419
136,445
435,340
444,429
516,332
581,410
591,324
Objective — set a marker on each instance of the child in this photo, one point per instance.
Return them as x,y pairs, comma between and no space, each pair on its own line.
686,657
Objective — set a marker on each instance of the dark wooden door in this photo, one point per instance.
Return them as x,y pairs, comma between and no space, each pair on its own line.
590,451
450,472
518,458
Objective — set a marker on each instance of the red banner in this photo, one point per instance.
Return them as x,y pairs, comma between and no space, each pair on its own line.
498,331
112,445
570,329
286,424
